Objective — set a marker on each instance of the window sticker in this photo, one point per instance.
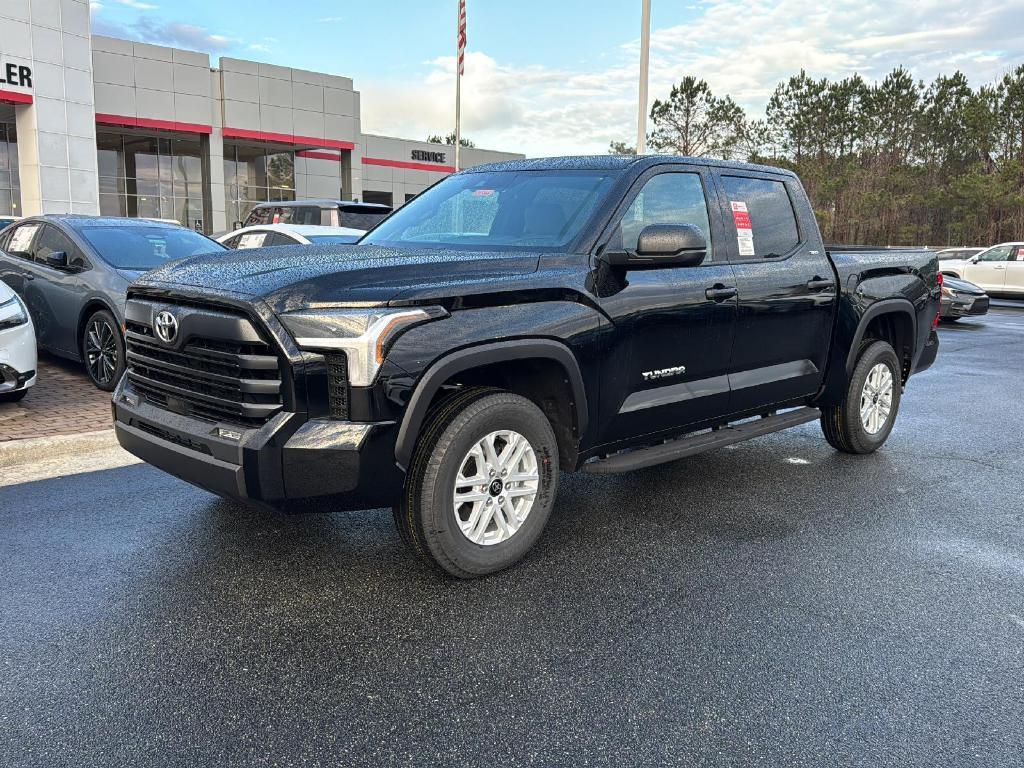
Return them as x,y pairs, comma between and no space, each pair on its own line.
744,229
22,238
252,240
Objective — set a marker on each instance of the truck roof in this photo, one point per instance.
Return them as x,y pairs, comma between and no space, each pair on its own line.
617,163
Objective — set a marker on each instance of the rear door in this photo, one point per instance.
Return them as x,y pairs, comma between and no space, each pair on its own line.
989,271
16,245
667,365
787,290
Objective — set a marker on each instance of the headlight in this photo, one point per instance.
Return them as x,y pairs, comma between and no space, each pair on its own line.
12,313
363,334
949,293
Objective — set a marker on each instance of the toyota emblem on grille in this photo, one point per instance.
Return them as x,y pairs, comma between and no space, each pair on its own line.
166,326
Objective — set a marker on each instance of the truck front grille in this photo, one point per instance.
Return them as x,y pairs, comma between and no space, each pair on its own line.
218,368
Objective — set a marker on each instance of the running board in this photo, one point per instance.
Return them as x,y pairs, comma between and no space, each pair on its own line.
705,441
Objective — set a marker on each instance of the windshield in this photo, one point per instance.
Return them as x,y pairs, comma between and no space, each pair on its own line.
332,238
146,247
527,209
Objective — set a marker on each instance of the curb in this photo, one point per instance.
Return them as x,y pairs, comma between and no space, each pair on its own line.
17,452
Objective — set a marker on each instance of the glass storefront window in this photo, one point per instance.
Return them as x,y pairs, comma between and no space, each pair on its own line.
10,191
255,175
150,177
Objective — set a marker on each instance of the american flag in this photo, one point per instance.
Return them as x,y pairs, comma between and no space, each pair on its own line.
462,37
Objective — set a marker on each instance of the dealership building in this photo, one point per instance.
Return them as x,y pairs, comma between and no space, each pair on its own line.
97,125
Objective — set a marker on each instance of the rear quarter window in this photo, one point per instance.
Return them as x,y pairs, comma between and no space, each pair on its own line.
770,218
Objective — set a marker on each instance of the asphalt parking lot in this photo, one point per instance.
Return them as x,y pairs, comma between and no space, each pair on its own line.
771,604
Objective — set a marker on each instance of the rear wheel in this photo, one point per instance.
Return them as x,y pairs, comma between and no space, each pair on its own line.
103,350
863,421
481,484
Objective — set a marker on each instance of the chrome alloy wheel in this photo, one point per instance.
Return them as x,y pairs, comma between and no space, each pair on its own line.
101,351
495,488
876,398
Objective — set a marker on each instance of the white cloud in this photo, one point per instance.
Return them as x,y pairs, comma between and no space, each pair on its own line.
330,19
137,5
741,48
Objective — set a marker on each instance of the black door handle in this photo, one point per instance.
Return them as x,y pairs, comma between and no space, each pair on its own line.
819,284
720,292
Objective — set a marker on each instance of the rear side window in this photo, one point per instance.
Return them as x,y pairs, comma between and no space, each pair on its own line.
19,242
299,214
762,217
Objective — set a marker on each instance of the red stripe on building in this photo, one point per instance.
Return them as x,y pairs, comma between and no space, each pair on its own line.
318,155
287,138
124,121
409,166
14,97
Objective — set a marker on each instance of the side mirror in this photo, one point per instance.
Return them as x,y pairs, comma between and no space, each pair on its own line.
664,245
57,260
975,259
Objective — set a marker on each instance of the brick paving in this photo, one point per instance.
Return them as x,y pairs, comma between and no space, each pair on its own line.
63,402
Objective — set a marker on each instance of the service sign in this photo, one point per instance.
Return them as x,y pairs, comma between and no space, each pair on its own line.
15,73
428,157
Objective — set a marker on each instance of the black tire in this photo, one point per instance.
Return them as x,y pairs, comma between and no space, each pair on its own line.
13,397
426,517
106,366
842,424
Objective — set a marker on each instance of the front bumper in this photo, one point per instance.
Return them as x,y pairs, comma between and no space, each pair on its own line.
287,459
964,306
17,358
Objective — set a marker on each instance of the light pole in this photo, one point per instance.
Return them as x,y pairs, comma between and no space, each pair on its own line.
645,56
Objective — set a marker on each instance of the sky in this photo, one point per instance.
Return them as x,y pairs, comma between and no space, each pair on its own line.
555,77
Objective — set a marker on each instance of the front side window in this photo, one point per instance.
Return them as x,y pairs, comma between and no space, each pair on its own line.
763,217
538,210
669,198
997,253
52,240
143,248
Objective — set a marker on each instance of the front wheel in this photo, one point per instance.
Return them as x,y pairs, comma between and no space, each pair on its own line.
863,421
481,484
103,350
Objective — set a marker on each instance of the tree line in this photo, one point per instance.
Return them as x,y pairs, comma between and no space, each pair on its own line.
891,162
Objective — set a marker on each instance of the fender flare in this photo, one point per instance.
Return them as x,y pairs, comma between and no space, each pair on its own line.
883,307
474,357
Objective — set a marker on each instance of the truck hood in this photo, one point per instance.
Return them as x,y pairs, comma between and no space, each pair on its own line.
294,277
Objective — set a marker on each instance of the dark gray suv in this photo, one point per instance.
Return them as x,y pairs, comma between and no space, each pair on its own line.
73,272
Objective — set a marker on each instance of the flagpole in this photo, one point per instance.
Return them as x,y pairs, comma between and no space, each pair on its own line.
645,56
458,84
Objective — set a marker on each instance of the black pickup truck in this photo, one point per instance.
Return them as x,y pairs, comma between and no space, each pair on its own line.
516,320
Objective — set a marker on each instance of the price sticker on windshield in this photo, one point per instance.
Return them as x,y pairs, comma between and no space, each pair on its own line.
483,192
744,229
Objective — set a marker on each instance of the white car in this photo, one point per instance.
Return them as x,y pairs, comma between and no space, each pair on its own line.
264,235
999,269
17,347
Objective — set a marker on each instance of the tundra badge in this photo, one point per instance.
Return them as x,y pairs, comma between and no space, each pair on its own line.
663,373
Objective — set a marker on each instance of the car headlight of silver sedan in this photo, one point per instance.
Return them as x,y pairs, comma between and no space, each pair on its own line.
363,333
12,313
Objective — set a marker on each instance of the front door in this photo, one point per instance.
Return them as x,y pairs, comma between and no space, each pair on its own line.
668,362
55,295
988,268
787,291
